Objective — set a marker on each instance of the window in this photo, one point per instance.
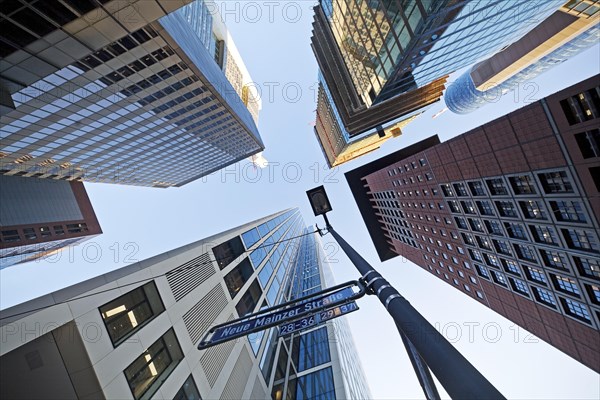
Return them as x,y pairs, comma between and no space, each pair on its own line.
499,278
581,240
129,313
147,373
476,188
576,309
568,211
519,286
544,296
468,239
582,107
188,391
511,267
476,225
485,207
250,237
236,279
483,242
479,294
525,252
226,252
482,271
535,274
544,234
461,223
594,293
447,190
506,209
468,207
589,143
588,267
460,189
556,182
496,186
502,247
533,209
453,205
565,285
313,386
249,300
522,184
554,259
492,260
493,227
475,255
311,349
29,233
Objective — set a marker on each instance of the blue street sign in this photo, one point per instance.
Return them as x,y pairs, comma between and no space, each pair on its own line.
276,318
316,319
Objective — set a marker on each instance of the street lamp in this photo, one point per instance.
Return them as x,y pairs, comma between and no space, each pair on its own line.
422,341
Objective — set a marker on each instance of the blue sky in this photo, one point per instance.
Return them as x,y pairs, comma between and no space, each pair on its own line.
274,41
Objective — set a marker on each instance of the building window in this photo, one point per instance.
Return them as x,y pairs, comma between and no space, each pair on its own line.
147,373
482,271
588,267
533,209
476,188
129,313
476,225
493,227
479,294
519,286
226,252
594,293
556,182
565,285
544,234
188,391
581,240
250,237
483,242
536,275
499,278
492,260
311,349
249,300
29,233
506,209
485,208
568,211
12,235
511,266
461,223
316,385
468,239
502,247
544,296
515,231
447,190
468,207
453,205
576,309
589,143
525,252
476,255
460,189
582,107
522,184
497,187
554,259
238,276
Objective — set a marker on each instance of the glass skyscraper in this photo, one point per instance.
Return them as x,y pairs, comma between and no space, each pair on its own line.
149,317
142,100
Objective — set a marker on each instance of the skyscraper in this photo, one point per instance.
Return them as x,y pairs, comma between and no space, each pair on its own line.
39,217
567,32
382,60
133,333
507,213
136,94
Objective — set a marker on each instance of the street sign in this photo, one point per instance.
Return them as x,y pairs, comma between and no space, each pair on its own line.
316,319
282,314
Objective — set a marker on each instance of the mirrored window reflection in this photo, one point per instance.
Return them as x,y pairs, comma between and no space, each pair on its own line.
128,313
189,391
311,349
318,385
147,373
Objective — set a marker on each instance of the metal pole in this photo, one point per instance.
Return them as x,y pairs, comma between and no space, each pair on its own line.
421,369
456,374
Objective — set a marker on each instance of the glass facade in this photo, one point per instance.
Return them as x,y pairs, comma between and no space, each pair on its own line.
136,111
391,47
462,97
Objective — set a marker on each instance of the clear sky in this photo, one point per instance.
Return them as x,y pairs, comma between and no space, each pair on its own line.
274,41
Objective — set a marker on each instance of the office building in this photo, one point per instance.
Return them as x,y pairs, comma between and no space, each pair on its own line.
133,333
135,93
507,213
571,30
382,60
39,217
335,141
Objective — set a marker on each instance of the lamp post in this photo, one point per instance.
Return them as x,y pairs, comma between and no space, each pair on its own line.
458,376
